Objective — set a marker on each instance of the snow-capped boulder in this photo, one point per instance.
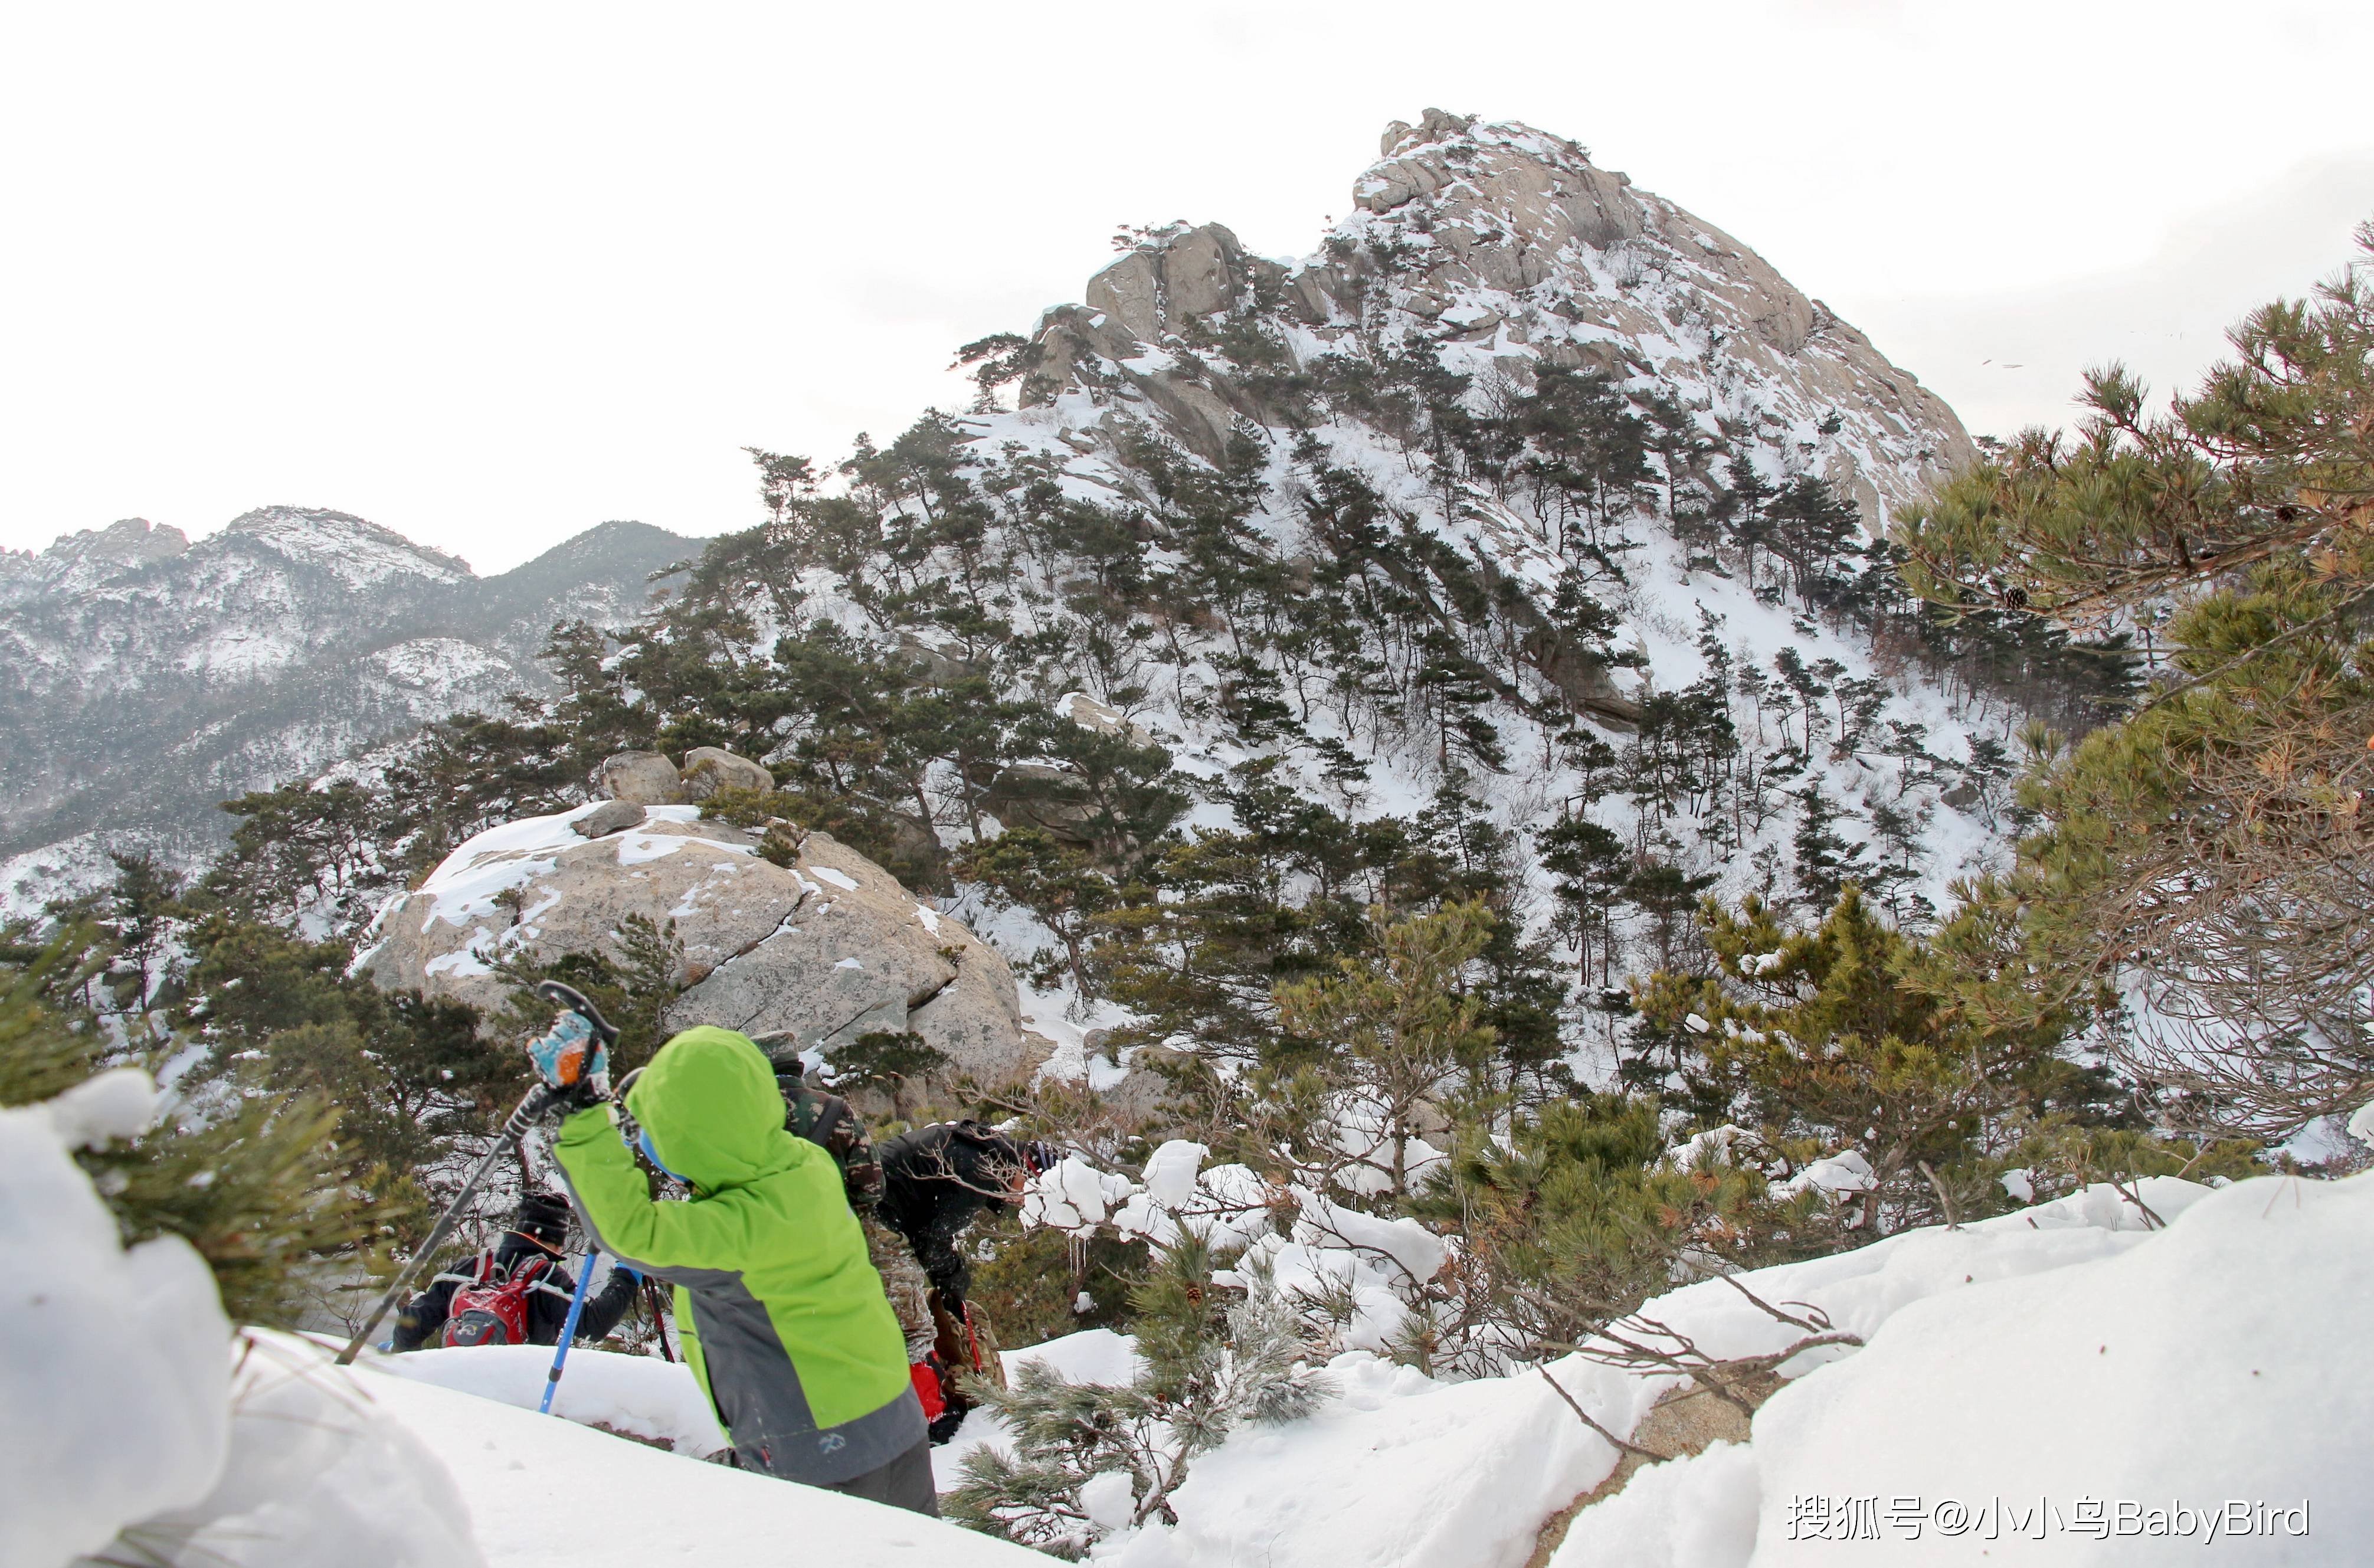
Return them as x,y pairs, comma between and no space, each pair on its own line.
829,948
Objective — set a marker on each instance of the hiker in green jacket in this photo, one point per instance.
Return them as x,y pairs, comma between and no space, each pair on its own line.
783,1320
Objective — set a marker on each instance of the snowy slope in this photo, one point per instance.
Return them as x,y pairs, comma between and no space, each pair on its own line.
544,1492
1495,252
2072,1351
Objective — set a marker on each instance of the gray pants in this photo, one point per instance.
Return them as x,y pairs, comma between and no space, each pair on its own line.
905,1482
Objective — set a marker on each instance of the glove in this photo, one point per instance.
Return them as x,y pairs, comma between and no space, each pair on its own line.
572,1063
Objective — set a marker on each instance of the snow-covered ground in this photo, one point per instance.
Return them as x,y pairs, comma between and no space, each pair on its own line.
2076,1355
542,1490
2092,1380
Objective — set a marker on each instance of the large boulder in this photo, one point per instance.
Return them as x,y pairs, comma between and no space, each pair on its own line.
640,778
708,768
829,948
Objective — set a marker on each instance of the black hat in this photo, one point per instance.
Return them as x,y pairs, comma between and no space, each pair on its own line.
543,1216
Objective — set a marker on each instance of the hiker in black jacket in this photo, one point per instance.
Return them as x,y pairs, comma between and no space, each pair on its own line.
531,1246
937,1178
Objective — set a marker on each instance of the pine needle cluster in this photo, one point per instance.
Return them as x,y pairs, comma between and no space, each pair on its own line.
1206,1366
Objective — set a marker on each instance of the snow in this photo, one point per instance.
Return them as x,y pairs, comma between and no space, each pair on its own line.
1838,1175
1416,1250
135,1424
31,879
1093,1355
114,1370
471,884
2361,1124
544,1492
1691,1513
1109,1497
1169,1174
1994,1392
317,1474
644,1395
840,879
467,883
2075,1350
2204,1364
1397,1469
120,1102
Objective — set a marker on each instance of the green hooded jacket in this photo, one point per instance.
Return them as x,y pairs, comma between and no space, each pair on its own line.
783,1320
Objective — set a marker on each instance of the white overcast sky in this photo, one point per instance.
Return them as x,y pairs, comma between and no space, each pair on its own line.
491,273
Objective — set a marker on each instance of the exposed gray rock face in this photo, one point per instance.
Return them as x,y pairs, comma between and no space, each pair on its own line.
644,778
829,948
708,768
1034,795
610,817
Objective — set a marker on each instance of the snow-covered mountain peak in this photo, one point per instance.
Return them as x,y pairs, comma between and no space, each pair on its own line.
83,560
147,677
361,552
1502,249
133,541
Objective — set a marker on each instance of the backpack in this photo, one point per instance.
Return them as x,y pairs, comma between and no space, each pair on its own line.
490,1310
826,1121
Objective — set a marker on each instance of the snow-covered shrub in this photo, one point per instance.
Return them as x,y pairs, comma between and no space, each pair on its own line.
252,1167
1582,1213
139,1428
1089,1460
114,1365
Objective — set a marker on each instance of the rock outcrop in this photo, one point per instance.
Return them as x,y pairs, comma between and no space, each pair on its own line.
1504,248
829,947
649,778
640,778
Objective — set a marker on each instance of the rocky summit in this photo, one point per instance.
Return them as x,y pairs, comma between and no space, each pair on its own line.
1502,249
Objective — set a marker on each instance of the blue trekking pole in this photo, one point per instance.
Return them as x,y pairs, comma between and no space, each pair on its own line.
567,1332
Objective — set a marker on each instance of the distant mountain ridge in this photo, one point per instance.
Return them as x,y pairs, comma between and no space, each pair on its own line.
143,679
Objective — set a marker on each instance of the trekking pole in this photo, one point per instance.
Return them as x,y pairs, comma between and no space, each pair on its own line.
659,1323
514,1129
567,1332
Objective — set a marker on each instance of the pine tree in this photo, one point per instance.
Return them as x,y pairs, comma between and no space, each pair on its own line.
1574,1217
2205,850
1204,1369
1402,1037
258,1181
1837,1038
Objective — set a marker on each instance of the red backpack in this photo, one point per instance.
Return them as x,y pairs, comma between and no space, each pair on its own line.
491,1309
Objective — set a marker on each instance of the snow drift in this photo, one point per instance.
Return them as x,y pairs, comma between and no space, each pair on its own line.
135,1422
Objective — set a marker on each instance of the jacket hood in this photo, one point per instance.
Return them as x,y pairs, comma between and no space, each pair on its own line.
710,1102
